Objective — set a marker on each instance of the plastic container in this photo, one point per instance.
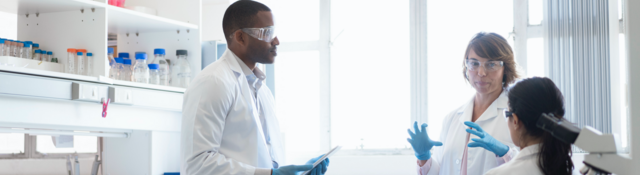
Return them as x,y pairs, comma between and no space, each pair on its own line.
141,70
181,71
26,51
118,68
125,74
154,75
19,50
43,55
90,62
2,41
49,56
34,47
80,63
37,53
70,64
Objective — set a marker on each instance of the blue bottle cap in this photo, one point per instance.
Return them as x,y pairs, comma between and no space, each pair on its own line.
43,51
2,41
141,56
110,50
154,66
79,53
118,60
158,51
38,51
127,61
123,55
89,54
49,53
36,45
27,44
30,42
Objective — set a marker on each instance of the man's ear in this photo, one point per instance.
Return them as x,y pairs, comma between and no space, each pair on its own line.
239,38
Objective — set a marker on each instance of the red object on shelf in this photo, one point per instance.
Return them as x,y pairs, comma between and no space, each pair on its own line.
118,3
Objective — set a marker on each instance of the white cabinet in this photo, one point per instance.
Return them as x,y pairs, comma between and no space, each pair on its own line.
150,115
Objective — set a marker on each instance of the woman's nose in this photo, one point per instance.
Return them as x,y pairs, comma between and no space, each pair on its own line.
482,72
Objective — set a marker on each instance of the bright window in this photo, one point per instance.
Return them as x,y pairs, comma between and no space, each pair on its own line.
535,57
450,27
535,12
623,89
370,74
296,20
81,144
11,143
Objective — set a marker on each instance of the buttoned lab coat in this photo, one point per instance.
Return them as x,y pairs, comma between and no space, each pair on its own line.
221,128
447,159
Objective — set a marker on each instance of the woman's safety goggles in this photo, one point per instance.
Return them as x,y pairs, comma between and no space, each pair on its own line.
489,66
266,34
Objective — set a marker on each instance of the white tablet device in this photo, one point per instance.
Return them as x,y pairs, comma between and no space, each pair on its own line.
327,155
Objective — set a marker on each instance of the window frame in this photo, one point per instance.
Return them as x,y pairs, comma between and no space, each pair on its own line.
30,151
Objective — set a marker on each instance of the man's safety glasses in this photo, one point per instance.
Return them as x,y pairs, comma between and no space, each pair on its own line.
266,34
489,66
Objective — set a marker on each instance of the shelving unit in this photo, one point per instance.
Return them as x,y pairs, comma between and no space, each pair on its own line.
152,119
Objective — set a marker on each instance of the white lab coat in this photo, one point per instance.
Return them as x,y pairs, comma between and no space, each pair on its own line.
525,163
446,159
221,129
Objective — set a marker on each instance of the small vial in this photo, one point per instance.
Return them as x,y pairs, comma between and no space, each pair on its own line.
2,41
37,53
80,63
49,56
26,51
19,50
70,64
43,55
34,47
126,70
90,64
154,74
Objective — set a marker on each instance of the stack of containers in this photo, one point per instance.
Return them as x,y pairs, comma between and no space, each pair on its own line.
163,66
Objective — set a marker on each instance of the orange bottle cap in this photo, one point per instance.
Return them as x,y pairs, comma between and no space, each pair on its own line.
71,50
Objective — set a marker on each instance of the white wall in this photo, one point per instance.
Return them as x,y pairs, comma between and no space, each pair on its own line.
212,14
9,27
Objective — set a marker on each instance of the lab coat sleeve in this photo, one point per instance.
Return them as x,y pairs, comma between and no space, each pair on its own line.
212,99
507,157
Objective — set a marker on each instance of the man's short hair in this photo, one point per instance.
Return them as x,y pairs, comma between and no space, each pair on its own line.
241,14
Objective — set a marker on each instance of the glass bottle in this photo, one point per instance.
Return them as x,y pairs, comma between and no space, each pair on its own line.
141,70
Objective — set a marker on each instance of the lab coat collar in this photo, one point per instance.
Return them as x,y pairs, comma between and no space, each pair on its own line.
492,111
529,150
247,71
233,63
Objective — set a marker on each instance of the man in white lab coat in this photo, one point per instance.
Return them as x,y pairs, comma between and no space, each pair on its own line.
228,120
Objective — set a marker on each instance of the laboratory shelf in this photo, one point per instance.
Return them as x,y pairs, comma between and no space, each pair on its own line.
120,20
148,86
45,73
123,21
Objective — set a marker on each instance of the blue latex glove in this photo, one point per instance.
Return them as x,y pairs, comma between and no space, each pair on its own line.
321,168
421,143
290,169
486,141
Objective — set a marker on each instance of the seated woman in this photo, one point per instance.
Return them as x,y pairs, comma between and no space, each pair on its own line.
540,153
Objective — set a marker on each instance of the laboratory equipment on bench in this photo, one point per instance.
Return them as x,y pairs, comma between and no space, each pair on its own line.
77,166
37,54
602,157
111,62
70,64
80,62
26,51
69,166
141,69
2,41
34,47
90,64
163,66
49,56
126,70
154,77
96,165
181,70
118,68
